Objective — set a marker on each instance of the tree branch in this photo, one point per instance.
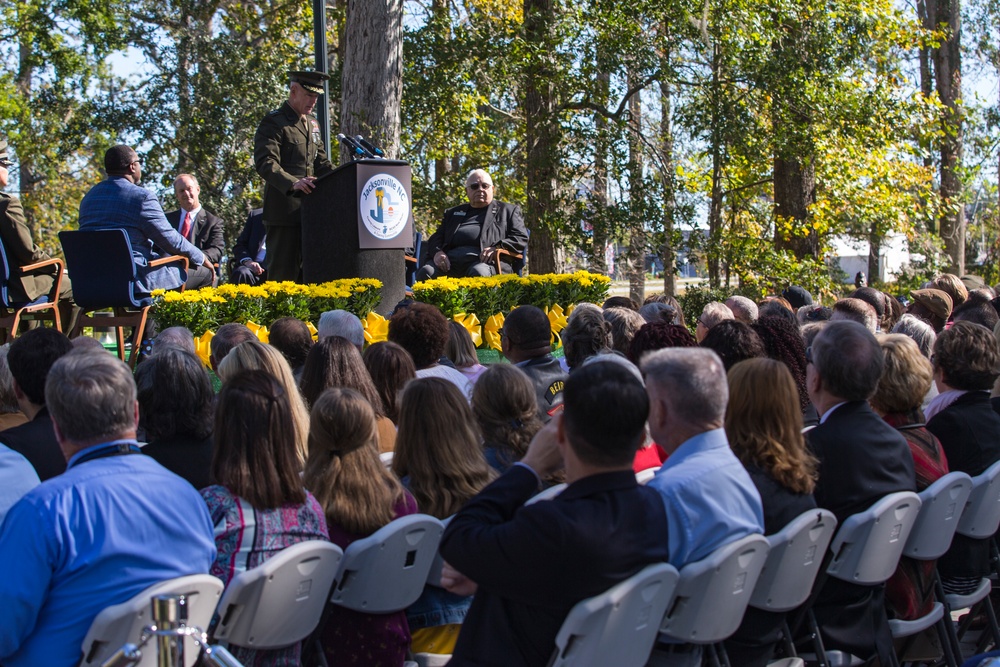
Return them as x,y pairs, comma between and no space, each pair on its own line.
603,110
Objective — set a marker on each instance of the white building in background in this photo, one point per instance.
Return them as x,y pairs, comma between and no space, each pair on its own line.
852,256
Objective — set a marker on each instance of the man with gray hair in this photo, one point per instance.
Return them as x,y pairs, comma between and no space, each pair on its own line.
344,324
470,235
115,523
178,338
744,309
861,459
713,313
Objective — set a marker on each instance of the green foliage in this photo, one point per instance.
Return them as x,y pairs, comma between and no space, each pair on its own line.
500,294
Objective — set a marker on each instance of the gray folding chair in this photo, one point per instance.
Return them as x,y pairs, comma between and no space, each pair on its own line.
547,494
643,476
123,623
866,551
980,520
617,627
387,570
795,558
279,602
941,508
713,594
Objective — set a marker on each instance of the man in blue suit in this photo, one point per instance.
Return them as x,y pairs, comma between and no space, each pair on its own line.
119,203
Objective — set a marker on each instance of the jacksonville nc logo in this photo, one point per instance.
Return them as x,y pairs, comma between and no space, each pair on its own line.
384,206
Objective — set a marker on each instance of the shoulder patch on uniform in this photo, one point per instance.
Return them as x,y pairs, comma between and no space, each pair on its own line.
274,113
459,213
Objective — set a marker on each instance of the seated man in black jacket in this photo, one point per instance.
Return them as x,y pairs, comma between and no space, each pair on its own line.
248,254
525,339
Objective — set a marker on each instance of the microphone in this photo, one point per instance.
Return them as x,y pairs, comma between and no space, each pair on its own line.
370,147
356,149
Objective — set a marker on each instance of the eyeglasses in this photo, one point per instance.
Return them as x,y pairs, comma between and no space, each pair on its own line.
479,186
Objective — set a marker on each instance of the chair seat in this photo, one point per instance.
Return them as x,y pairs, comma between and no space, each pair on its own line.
431,659
956,601
901,628
787,662
835,659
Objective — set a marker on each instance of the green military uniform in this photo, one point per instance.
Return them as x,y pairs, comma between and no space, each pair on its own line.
287,147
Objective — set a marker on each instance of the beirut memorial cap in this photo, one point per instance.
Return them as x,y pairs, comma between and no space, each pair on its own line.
311,81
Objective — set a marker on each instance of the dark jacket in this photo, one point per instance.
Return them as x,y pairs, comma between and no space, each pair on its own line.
504,226
549,379
36,441
251,237
185,457
206,233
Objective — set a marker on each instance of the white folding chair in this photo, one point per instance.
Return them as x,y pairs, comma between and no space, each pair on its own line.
940,510
279,602
386,458
866,551
643,476
617,627
123,623
713,593
434,574
547,494
793,562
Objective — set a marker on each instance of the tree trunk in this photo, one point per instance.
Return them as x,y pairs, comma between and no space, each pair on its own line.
669,185
715,201
948,71
794,193
874,250
599,199
637,193
25,177
542,135
372,86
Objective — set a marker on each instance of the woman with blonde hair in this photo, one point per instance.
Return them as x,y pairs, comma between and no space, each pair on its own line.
764,427
506,409
254,355
358,496
440,460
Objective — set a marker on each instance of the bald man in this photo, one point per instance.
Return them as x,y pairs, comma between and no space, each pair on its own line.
198,226
467,241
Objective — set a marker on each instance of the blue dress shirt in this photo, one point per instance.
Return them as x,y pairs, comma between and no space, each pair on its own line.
92,537
709,496
17,477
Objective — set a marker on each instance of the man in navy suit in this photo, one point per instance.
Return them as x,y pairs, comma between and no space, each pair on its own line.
250,251
529,564
467,241
119,203
198,226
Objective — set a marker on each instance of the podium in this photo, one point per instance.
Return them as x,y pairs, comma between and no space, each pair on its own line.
356,223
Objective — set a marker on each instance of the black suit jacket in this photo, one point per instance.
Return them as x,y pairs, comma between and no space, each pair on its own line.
504,223
251,237
185,457
36,441
533,563
206,233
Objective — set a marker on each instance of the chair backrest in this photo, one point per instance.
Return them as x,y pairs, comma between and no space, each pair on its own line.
101,266
434,574
981,517
794,560
643,476
279,602
386,458
123,623
617,627
4,277
713,593
941,506
867,547
387,570
547,494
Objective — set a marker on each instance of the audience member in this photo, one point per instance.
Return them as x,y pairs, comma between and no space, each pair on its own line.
462,352
197,225
335,362
656,336
619,302
894,312
30,358
359,496
10,409
812,314
515,556
176,408
423,332
764,428
861,459
344,324
856,310
256,356
667,301
291,337
734,341
953,286
17,477
795,297
87,343
744,309
779,308
112,525
979,313
525,341
879,303
919,330
258,504
225,339
932,306
587,334
905,381
712,314
782,341
179,338
624,324
390,367
660,312
506,409
966,363
250,252
810,331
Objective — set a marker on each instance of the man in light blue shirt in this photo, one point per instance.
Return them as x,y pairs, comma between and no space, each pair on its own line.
115,523
17,477
709,496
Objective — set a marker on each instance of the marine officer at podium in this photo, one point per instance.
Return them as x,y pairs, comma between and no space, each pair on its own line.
467,241
288,154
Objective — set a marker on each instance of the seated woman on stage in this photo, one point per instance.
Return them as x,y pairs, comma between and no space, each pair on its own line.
359,496
764,427
259,505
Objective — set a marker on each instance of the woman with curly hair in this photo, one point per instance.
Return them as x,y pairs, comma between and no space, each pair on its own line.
390,367
658,335
439,458
358,496
423,332
783,342
336,362
764,428
734,342
504,404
